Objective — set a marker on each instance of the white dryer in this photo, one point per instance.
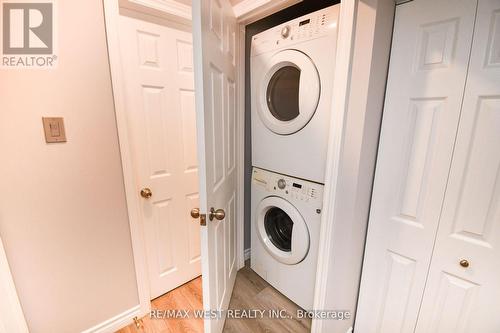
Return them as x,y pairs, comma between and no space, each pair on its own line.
292,67
286,215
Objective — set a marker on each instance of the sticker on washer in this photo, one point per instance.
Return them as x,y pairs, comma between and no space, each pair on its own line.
260,181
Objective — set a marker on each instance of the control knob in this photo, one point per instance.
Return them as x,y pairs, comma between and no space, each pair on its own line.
285,31
281,183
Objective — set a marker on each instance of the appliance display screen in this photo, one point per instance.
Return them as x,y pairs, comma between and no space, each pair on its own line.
304,22
297,185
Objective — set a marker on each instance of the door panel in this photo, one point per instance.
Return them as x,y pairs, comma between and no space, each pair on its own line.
451,305
428,67
214,33
158,71
467,299
397,291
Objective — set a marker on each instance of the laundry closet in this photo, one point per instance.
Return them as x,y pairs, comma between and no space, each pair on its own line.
433,247
290,84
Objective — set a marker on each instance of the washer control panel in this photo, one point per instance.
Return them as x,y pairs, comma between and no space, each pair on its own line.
288,187
310,26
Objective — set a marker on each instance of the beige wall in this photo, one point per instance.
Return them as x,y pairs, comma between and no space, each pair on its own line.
63,218
235,2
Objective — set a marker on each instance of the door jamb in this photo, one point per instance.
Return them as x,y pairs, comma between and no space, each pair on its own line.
341,95
240,216
343,62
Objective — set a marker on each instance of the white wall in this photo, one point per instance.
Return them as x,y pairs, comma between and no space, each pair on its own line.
63,217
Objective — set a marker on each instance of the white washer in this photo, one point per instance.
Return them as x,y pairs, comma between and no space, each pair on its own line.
286,216
292,67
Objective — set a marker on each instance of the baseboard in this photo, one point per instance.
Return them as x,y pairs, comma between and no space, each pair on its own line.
115,323
247,253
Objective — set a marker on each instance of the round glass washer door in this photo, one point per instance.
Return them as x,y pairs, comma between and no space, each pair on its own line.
289,92
282,230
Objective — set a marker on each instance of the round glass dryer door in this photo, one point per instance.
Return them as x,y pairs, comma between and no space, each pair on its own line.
289,92
282,230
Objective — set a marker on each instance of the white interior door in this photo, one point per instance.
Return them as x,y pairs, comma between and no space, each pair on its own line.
214,34
158,72
467,299
428,67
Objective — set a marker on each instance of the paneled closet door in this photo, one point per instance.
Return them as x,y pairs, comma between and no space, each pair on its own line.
462,299
429,58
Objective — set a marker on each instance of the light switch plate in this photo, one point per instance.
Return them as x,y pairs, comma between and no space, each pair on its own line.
54,129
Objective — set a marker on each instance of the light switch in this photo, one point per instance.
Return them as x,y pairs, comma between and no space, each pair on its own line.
54,129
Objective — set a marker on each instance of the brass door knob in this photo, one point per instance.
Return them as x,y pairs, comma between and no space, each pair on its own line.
219,214
464,263
146,193
195,213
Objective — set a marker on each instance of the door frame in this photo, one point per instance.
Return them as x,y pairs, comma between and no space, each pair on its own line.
356,90
342,75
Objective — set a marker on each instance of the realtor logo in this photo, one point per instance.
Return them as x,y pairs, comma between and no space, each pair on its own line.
28,34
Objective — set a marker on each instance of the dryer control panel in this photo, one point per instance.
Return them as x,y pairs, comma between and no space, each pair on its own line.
310,26
288,187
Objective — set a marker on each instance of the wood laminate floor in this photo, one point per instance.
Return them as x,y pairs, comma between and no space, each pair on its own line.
250,292
186,297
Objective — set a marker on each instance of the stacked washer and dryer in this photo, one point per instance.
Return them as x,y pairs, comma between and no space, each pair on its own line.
292,67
